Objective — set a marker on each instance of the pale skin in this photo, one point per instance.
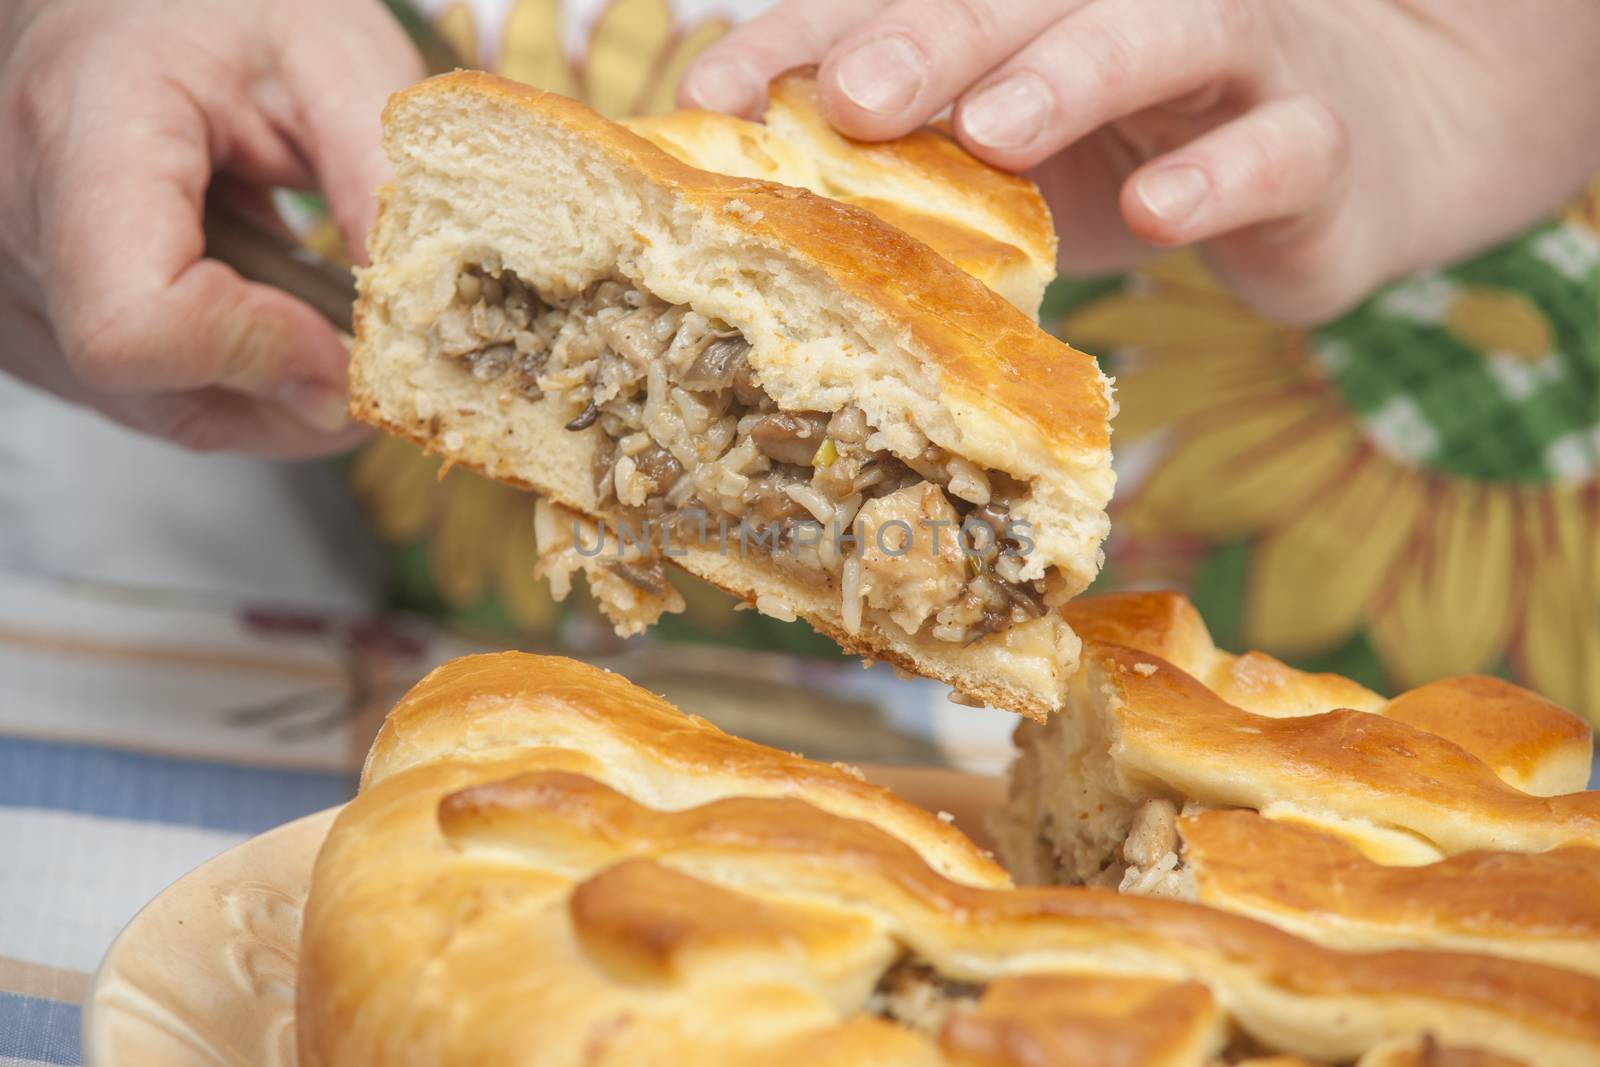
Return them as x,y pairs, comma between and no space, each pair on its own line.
115,117
1312,149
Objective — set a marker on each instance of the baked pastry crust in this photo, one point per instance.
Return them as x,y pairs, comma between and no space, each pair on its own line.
993,225
548,865
1542,906
840,308
1355,766
1449,817
1531,743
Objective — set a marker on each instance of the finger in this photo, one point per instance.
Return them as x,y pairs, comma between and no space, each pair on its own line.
731,75
247,139
1278,163
340,77
134,307
215,420
205,420
891,74
1106,60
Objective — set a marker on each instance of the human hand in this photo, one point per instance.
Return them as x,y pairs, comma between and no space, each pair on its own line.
117,115
1314,150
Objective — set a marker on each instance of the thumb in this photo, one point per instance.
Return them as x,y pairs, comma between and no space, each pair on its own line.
339,75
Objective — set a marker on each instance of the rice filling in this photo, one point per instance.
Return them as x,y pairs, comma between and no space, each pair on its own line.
692,442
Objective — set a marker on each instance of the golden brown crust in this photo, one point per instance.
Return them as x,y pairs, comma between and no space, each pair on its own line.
1416,822
974,252
930,152
1076,1021
862,862
646,922
1355,764
1427,1052
1165,624
1534,905
1528,741
480,705
1532,743
991,224
1011,205
483,901
984,352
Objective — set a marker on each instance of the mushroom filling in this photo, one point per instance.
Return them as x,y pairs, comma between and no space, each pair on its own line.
693,443
916,996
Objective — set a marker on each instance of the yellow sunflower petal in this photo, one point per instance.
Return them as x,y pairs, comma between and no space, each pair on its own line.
525,598
397,485
1160,390
1183,275
1585,208
531,50
663,94
1253,468
1456,599
371,468
628,41
325,240
1500,321
1313,581
1135,320
456,26
1560,647
469,537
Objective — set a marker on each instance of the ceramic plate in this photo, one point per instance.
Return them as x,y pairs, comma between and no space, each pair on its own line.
204,975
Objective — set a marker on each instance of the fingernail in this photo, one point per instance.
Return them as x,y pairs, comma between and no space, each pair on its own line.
882,75
317,404
1007,114
723,85
1172,194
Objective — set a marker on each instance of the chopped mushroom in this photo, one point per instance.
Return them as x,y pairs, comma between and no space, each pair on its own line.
718,366
790,437
683,423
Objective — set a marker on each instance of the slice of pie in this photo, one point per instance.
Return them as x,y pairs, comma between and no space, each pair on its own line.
777,391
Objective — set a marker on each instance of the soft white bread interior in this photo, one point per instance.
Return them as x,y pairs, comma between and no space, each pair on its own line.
838,307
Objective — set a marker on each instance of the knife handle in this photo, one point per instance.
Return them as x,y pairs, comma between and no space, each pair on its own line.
272,259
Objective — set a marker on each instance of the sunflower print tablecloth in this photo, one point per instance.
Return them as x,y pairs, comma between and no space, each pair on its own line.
1410,491
1407,492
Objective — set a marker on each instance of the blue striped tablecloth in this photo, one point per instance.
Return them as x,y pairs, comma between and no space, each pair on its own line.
142,734
139,737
